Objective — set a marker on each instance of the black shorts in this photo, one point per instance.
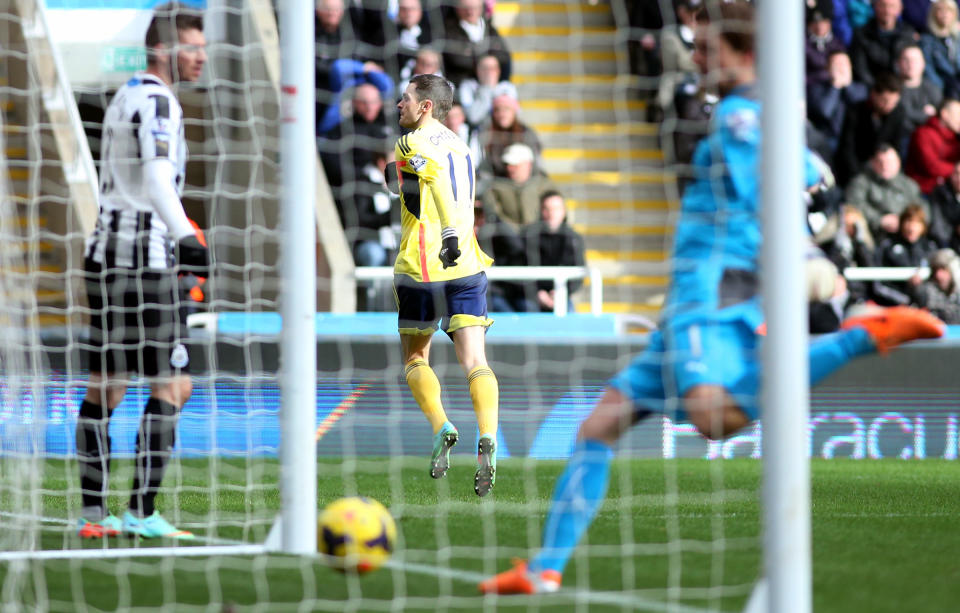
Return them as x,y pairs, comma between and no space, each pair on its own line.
137,325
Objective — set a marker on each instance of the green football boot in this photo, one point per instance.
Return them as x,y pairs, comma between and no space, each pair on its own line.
487,471
443,442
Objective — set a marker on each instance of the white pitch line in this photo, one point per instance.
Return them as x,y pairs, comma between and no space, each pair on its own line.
66,522
134,552
239,548
635,602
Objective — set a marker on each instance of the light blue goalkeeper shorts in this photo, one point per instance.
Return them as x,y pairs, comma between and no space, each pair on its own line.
679,357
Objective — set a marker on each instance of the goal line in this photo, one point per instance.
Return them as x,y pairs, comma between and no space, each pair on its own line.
236,548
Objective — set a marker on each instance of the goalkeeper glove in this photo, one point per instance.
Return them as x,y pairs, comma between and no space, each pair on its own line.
192,256
450,251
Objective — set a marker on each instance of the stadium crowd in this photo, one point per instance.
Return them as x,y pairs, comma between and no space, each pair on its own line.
366,53
883,113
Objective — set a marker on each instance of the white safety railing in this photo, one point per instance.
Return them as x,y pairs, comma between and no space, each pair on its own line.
885,273
560,275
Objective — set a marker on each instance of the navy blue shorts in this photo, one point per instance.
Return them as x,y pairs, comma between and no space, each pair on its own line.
458,303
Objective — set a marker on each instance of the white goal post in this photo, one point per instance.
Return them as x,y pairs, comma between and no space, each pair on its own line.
298,361
785,394
23,452
557,395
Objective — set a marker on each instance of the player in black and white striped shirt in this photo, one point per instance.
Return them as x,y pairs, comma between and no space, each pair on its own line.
142,239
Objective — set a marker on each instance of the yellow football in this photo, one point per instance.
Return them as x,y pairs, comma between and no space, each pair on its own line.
358,534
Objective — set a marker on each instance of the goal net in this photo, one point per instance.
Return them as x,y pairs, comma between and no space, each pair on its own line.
680,528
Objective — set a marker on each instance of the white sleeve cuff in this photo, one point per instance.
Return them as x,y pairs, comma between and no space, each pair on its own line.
159,181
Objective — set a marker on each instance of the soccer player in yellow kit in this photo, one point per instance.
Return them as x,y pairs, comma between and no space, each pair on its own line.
439,274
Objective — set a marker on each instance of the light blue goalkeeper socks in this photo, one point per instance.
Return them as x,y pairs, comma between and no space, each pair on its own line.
583,485
578,494
828,353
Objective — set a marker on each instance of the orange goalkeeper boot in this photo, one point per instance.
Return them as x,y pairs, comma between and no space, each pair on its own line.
519,580
893,326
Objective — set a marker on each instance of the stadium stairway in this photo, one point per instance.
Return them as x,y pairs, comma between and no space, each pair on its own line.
570,68
50,177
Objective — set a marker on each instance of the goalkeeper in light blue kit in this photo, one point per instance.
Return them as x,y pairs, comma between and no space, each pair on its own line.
704,353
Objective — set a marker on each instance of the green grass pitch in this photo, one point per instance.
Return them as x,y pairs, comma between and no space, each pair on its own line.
679,533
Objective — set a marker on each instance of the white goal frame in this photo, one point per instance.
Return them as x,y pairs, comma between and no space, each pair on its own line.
295,531
298,341
786,583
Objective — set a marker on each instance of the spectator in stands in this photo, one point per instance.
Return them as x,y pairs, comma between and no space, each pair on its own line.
694,106
915,13
347,148
639,21
941,46
909,247
945,211
823,199
456,121
362,82
879,119
828,102
676,52
371,219
427,61
842,28
874,46
502,242
694,103
852,246
476,94
820,45
516,199
502,130
940,293
330,27
341,61
935,148
859,12
406,35
882,192
413,32
552,242
827,295
370,216
920,97
468,36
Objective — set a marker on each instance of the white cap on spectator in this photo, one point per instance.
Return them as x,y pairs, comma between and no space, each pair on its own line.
517,153
948,259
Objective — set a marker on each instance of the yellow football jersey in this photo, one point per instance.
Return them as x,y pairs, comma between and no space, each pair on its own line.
437,182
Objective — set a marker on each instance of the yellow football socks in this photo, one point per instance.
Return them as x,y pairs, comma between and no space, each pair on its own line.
425,386
485,396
